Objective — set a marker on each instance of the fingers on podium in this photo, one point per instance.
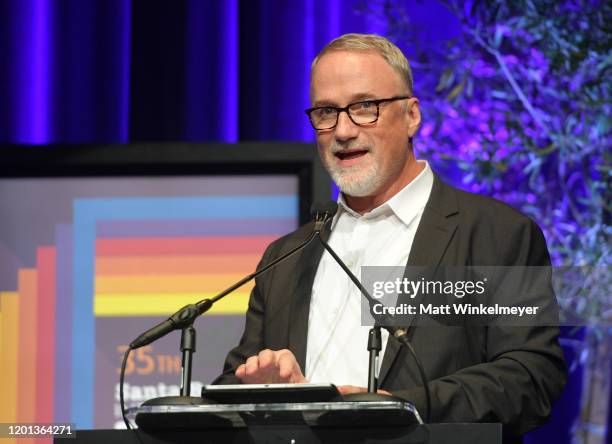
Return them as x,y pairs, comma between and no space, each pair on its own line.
287,365
252,365
267,359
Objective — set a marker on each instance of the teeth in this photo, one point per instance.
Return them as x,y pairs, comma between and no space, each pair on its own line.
350,154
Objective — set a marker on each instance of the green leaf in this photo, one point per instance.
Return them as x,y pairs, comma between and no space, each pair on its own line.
455,91
446,79
501,167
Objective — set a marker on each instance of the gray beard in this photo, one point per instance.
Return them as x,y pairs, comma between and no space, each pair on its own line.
359,183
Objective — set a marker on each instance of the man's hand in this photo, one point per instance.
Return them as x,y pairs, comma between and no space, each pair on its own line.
271,367
350,389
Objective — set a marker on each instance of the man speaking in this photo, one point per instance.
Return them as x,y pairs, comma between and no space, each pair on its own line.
304,323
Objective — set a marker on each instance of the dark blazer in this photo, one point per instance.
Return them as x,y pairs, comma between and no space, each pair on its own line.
510,375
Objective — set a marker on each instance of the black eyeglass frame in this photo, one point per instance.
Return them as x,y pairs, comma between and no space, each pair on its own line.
376,102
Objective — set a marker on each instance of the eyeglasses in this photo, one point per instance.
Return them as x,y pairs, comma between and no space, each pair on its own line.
360,113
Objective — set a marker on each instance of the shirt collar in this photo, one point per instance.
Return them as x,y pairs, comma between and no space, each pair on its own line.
406,204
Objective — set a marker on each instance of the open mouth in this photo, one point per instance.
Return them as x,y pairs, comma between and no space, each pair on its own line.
348,155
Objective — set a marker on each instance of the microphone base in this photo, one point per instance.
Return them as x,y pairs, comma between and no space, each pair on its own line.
176,400
368,397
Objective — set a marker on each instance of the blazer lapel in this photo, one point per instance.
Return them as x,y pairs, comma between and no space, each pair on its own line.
300,300
434,233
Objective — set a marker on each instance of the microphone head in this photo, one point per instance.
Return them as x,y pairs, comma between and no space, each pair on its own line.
328,209
322,213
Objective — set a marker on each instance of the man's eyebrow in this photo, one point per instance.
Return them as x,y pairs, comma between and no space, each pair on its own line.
356,98
363,96
320,103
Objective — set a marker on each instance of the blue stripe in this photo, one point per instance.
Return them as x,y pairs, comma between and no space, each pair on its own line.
87,212
242,207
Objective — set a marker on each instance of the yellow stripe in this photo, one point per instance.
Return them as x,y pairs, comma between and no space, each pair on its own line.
9,304
2,360
155,304
168,283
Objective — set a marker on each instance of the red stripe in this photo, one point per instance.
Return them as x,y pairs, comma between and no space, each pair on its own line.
45,365
182,245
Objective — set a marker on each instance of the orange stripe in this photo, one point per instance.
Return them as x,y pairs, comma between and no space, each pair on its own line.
120,265
190,283
9,305
26,362
182,245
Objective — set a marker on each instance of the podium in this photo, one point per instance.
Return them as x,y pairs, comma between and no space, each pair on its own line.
391,422
250,415
421,434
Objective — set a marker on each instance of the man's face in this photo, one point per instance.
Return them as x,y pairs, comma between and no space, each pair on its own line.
368,160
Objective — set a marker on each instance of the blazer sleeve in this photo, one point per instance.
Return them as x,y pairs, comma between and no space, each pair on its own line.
524,370
251,342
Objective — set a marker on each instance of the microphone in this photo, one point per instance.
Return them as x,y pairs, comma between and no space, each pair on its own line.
401,334
181,319
322,214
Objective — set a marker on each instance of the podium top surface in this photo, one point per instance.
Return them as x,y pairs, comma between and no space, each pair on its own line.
331,414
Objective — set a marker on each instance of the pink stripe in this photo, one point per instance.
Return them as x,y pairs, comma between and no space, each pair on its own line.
45,365
182,245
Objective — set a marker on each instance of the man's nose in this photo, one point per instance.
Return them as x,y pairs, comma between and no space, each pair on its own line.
345,128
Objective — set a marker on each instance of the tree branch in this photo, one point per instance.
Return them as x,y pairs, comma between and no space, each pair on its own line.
513,83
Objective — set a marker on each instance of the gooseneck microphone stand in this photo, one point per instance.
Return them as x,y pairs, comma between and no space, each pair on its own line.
374,343
374,348
186,316
374,336
188,347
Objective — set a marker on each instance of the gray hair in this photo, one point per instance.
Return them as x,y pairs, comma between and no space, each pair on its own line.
371,42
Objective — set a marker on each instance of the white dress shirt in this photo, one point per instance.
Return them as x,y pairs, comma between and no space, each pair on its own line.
337,342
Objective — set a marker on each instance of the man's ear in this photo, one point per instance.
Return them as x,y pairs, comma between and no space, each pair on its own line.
413,114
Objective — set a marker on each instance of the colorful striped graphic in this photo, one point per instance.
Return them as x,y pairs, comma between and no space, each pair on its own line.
120,258
170,272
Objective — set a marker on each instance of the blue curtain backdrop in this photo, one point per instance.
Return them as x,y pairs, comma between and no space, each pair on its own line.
195,70
191,70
